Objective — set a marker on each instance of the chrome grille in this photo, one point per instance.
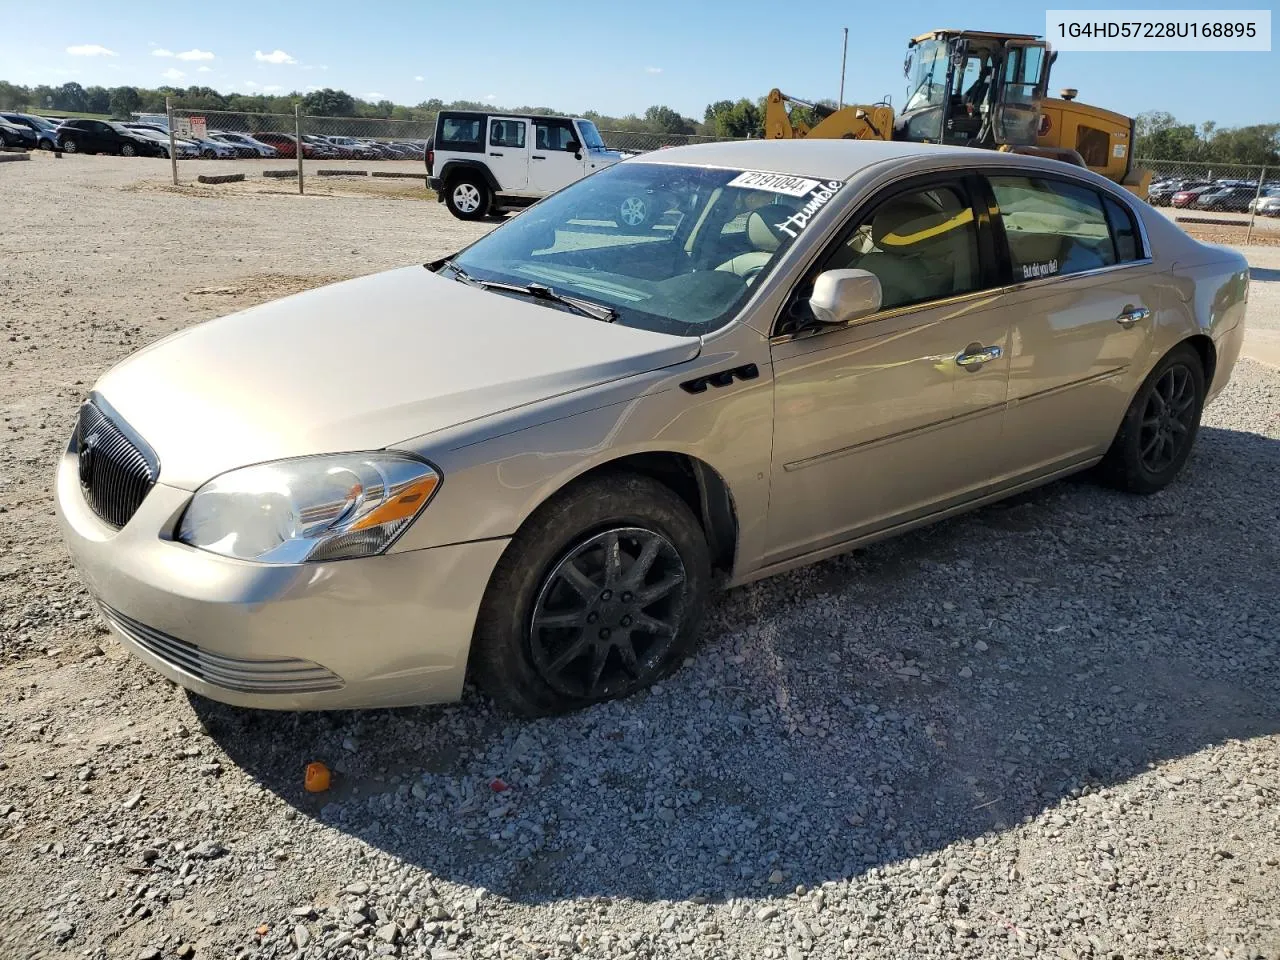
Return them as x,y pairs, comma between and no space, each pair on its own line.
267,675
117,467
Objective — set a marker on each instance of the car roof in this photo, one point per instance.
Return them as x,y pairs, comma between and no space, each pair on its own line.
828,159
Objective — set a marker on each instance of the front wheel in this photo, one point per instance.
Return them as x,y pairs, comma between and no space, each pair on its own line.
467,198
599,595
1160,426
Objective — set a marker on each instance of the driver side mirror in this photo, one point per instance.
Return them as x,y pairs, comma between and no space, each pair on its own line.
840,296
574,147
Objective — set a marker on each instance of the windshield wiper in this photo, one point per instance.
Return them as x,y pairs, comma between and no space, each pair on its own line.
539,291
588,308
458,273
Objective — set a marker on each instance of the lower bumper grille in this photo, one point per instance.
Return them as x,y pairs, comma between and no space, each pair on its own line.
268,675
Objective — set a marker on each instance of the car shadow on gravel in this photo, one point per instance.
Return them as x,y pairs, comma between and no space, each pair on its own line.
882,705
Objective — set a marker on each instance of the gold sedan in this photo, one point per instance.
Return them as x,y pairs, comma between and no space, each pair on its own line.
534,459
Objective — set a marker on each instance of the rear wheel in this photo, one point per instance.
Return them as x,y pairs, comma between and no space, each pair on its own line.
69,145
600,594
467,198
1160,426
127,150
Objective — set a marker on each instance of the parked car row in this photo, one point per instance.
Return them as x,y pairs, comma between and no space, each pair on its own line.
136,138
1236,196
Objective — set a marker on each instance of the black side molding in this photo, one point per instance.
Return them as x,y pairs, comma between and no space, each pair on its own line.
721,378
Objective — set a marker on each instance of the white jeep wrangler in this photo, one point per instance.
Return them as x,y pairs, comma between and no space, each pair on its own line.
484,163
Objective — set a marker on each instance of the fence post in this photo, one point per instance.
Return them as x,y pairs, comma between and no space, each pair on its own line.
297,136
1253,209
173,148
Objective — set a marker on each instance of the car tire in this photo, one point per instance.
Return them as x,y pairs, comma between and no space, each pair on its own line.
69,145
127,150
467,197
207,154
46,145
556,613
1159,428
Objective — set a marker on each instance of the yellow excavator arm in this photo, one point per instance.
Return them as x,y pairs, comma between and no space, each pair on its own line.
847,123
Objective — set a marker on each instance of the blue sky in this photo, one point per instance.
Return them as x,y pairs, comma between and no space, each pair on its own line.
614,57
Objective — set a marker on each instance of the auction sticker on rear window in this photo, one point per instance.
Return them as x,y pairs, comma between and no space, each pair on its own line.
774,182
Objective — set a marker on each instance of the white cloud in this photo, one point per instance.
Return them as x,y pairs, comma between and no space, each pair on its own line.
375,95
652,69
491,96
204,69
250,83
195,54
272,88
90,50
419,79
173,74
275,56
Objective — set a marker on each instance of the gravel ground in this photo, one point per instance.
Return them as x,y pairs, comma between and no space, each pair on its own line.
1050,728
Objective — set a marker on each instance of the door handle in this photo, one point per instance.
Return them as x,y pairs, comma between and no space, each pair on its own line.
1132,315
492,154
975,355
536,157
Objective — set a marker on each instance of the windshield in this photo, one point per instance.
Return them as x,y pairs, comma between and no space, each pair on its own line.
674,249
928,77
590,135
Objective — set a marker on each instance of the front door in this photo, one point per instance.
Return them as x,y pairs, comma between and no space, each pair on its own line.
898,415
1083,307
509,153
556,160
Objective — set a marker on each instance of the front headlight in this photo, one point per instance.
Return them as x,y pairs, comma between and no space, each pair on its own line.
331,507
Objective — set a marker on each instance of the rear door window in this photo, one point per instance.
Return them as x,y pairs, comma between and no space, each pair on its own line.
1053,227
1125,232
462,133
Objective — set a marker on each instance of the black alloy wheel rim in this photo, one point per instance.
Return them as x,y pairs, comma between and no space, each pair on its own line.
608,613
1168,418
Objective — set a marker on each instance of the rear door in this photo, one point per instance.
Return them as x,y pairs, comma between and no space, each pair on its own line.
508,155
556,160
1082,301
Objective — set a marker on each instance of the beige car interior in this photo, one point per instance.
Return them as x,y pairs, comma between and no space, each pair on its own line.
921,247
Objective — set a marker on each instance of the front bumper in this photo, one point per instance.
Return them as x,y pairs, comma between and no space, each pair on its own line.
385,631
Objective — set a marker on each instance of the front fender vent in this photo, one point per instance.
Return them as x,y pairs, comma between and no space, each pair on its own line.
721,378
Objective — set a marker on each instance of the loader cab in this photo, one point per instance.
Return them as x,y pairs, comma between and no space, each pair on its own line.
974,89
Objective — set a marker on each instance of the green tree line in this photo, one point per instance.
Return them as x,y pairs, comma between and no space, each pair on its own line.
1161,136
121,102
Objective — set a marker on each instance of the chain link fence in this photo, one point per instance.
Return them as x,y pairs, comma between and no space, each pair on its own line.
348,147
1237,197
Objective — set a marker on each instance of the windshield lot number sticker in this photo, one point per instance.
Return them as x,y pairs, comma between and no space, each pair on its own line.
774,183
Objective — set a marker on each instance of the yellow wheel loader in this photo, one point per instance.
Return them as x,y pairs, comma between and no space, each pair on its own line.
978,89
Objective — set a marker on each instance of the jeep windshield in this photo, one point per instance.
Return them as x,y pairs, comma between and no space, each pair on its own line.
674,249
591,136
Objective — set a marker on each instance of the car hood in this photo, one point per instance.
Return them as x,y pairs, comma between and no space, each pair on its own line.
362,365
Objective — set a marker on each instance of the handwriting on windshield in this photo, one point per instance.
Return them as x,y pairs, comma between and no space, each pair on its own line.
817,200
